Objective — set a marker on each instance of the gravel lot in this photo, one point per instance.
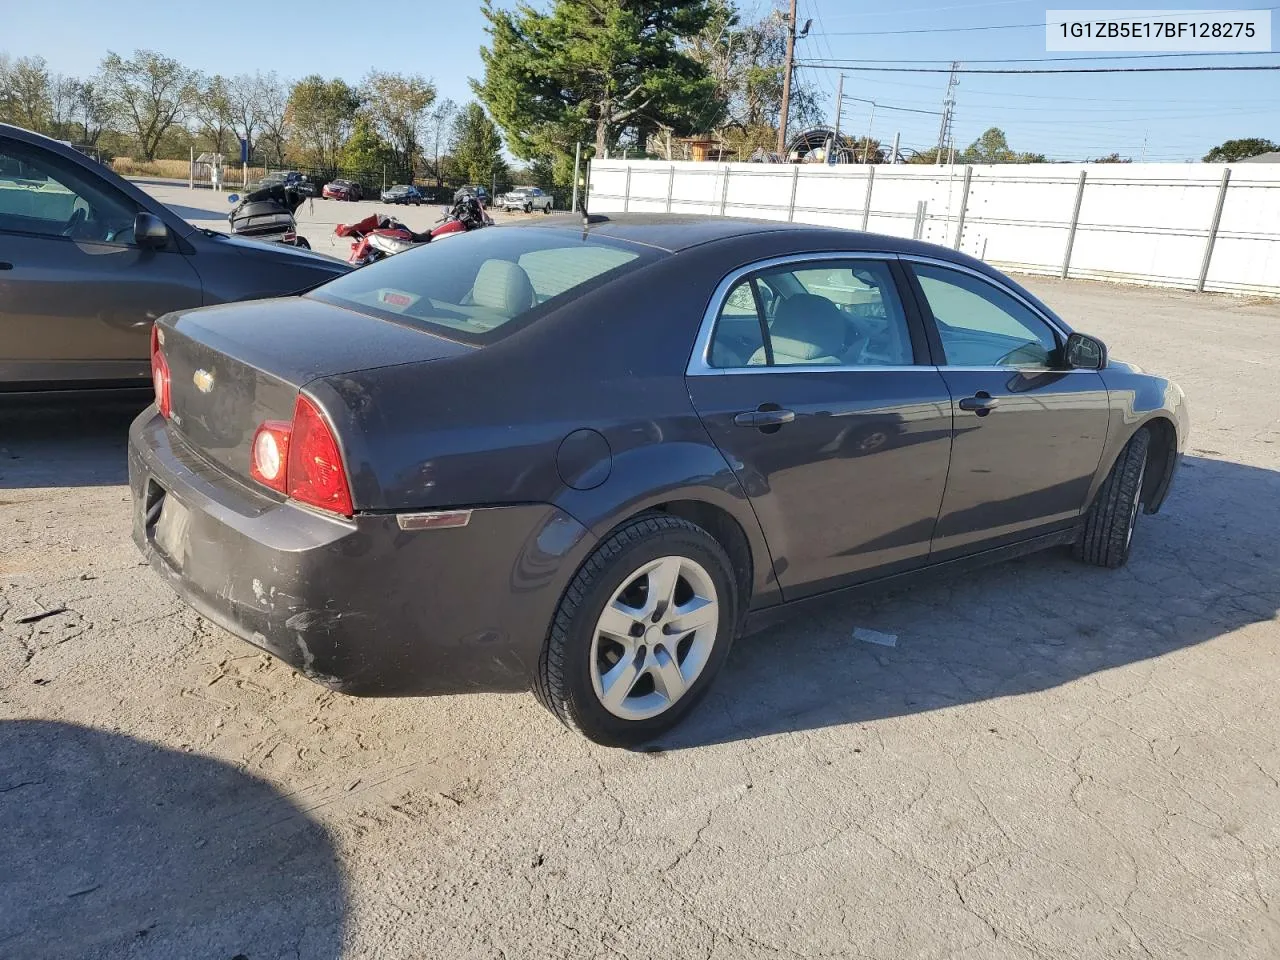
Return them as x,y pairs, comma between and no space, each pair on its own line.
1054,761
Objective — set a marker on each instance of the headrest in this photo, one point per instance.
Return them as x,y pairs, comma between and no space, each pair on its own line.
504,287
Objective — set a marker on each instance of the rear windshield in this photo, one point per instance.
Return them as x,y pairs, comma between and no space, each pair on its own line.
481,286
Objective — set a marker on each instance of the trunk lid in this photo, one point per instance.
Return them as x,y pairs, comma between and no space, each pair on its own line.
235,365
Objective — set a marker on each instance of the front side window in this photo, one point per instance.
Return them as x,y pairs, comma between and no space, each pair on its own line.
42,194
835,313
482,286
982,326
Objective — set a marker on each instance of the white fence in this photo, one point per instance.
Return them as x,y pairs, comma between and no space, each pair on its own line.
1194,225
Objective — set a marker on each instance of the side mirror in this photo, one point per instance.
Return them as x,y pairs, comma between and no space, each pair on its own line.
1084,352
149,231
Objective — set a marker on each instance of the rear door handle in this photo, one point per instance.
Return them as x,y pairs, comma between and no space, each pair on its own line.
768,415
981,404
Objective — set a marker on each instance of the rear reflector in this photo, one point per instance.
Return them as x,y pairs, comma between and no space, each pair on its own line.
316,475
439,520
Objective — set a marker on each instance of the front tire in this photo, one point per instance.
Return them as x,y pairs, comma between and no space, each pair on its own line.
640,633
1107,536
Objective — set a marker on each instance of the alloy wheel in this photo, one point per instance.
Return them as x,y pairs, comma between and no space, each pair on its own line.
654,637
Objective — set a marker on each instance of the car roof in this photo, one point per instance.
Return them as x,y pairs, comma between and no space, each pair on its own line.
676,232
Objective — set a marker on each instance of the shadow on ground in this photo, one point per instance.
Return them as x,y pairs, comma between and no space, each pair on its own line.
112,846
1199,570
78,441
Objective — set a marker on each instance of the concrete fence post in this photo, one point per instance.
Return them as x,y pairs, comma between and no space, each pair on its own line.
724,190
795,182
626,192
1213,229
964,204
918,231
866,202
671,185
1075,222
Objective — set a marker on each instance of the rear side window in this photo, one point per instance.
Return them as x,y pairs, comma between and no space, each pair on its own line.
839,313
482,286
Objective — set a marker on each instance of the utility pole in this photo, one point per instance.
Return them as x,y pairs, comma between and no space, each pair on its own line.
948,105
893,157
866,144
839,104
786,81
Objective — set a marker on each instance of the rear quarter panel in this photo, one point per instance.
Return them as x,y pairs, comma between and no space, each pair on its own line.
491,427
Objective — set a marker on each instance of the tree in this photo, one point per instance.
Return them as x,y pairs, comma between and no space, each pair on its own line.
214,111
273,107
398,107
604,70
476,145
365,154
991,147
93,111
1239,150
150,93
439,122
26,93
1112,158
321,113
63,94
747,61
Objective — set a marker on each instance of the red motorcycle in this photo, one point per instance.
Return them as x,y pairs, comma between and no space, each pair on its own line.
378,236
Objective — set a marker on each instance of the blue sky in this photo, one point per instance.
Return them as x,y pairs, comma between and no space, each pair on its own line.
1178,116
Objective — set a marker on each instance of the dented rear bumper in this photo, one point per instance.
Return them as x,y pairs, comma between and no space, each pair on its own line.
358,605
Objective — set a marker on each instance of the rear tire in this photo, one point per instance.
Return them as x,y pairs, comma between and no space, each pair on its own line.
621,668
1107,536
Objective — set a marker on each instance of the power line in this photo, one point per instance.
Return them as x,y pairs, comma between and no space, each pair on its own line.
996,26
897,11
885,106
1118,56
833,66
895,33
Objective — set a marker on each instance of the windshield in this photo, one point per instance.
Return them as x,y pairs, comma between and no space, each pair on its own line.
480,287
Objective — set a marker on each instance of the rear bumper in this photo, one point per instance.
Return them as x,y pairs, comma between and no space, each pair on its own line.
358,605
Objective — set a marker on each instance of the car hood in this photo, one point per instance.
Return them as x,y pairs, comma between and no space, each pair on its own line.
278,252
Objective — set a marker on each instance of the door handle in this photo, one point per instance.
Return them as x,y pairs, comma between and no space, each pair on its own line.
981,404
766,415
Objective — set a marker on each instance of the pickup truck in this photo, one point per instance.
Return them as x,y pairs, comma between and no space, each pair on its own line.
527,199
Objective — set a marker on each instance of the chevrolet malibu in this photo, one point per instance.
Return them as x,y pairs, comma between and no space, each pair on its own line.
583,458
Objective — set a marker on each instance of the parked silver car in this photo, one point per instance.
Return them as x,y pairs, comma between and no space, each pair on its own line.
527,199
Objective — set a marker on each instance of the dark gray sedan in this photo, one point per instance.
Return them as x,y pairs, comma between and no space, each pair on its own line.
585,459
88,261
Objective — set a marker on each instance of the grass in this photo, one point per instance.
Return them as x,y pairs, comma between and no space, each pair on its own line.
177,170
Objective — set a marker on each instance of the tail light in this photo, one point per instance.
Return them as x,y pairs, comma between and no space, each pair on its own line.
301,460
160,372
